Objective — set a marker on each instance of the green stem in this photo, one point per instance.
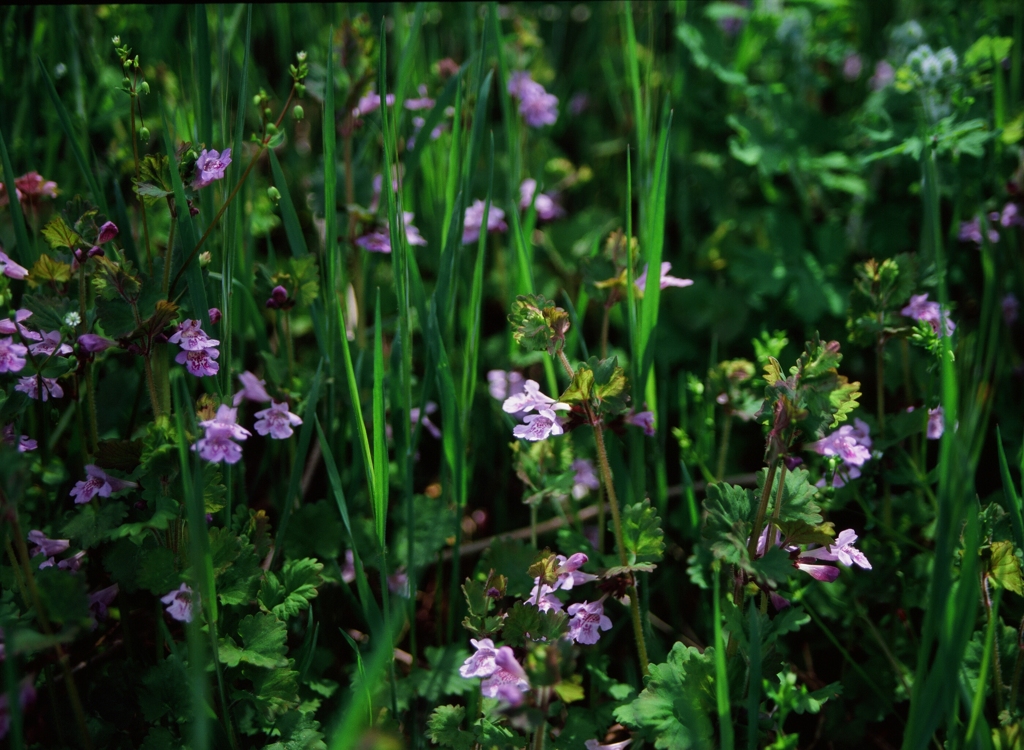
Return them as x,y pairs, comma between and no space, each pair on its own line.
723,449
169,255
138,178
1018,667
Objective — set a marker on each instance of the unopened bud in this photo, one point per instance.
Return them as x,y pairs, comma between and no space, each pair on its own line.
301,56
300,89
256,100
274,194
271,128
136,62
144,88
126,84
268,112
116,40
297,112
144,134
205,258
215,315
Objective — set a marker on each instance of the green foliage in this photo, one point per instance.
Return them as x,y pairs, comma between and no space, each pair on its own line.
444,728
641,533
730,515
525,623
798,496
600,384
537,324
290,592
263,643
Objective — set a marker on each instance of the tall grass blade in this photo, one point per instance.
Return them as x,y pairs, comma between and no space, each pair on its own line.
725,727
24,252
472,347
1012,500
380,447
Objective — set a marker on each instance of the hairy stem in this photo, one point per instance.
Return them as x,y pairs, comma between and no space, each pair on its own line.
723,448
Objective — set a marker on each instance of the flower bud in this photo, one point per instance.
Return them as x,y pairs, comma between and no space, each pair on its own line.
268,112
144,87
300,89
274,194
126,84
92,343
205,258
107,232
271,128
215,315
301,56
297,112
144,134
116,40
93,252
278,297
256,100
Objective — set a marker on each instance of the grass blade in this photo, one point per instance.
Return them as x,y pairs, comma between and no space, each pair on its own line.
1010,494
26,252
472,346
721,676
380,447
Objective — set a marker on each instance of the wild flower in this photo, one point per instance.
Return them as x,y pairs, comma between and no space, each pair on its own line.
278,297
9,327
379,240
49,344
474,220
538,426
30,187
41,545
536,105
94,343
543,203
502,385
348,570
852,444
98,482
530,398
12,355
100,601
11,269
665,279
24,442
253,389
1011,308
191,337
218,444
398,583
936,423
643,420
71,564
970,231
201,363
276,421
210,167
481,663
841,550
108,231
585,478
883,76
567,576
1011,216
179,603
419,416
26,697
29,385
588,619
852,66
508,681
215,315
370,102
930,312
422,102
595,745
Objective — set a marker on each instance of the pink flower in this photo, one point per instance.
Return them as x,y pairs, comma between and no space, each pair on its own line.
398,584
218,444
253,389
348,570
665,280
107,232
884,75
210,166
9,327
538,426
226,419
481,663
1011,216
508,681
545,205
845,444
826,573
93,343
98,483
841,549
536,105
419,416
46,547
585,478
11,269
530,398
26,697
424,101
25,443
587,620
568,576
32,186
50,344
970,231
930,312
595,745
191,337
179,603
200,363
502,385
215,315
12,355
277,421
72,564
852,67
936,423
376,241
474,220
371,103
29,385
278,297
642,419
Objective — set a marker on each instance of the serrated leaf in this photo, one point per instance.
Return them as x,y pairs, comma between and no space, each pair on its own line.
58,234
641,533
571,690
214,490
772,567
239,583
275,691
581,388
798,496
526,624
158,570
263,643
537,324
674,709
165,690
730,511
444,728
224,549
90,526
47,269
801,532
64,595
288,593
1004,567
298,732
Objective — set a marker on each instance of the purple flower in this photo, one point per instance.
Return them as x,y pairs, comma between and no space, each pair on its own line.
49,344
841,549
423,102
970,231
578,104
930,312
179,603
538,426
218,444
26,697
851,445
1011,216
826,573
936,423
98,483
215,315
536,105
12,355
585,478
253,389
481,663
371,103
93,343
11,269
502,385
568,576
348,570
665,280
852,67
277,421
29,385
545,205
376,241
417,126
642,419
109,231
46,547
9,327
418,416
587,620
508,681
1011,308
200,363
530,398
474,220
884,75
100,601
190,337
210,166
398,584
25,443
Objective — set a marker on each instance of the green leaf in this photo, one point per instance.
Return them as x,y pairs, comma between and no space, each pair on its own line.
213,488
987,50
641,533
90,525
165,690
64,595
315,529
1004,567
537,324
299,731
239,583
263,643
798,496
674,709
275,691
511,559
774,566
158,571
225,548
581,388
291,591
801,532
443,728
59,234
730,511
527,624
48,270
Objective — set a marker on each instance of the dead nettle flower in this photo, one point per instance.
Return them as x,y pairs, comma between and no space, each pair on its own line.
253,389
419,416
642,419
180,602
370,102
29,385
379,240
99,603
12,355
25,443
199,351
41,545
423,102
71,564
218,444
504,676
93,343
215,315
536,105
107,232
98,483
1011,308
474,220
502,385
970,231
276,421
30,188
26,697
210,166
936,423
665,280
1010,216
544,204
588,618
883,76
930,312
10,327
530,398
585,478
11,269
596,745
398,583
538,426
348,570
809,561
50,343
852,444
568,576
535,426
278,298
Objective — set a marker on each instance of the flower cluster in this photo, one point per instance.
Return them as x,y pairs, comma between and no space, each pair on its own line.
13,355
199,353
218,444
543,203
30,188
930,312
474,219
810,560
852,444
505,677
535,426
536,105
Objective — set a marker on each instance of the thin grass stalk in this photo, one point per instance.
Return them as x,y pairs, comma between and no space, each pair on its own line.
721,675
